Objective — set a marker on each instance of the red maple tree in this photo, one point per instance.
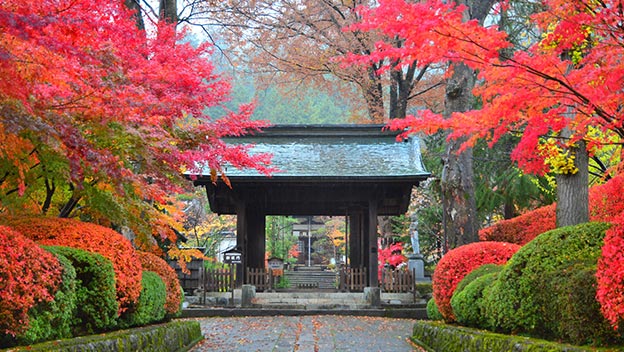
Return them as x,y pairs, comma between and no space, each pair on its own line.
99,113
570,79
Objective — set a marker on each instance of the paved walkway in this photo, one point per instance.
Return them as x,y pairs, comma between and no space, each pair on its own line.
316,333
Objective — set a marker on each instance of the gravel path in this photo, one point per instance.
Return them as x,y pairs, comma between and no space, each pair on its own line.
317,333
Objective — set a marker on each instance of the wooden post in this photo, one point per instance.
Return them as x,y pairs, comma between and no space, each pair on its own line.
373,270
232,282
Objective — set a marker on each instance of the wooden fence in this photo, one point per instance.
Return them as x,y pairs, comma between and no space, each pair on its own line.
349,279
352,279
258,277
218,280
397,281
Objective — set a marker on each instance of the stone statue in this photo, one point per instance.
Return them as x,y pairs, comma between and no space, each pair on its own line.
413,231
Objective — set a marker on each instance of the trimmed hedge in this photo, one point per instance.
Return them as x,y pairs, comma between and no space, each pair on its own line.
158,265
53,320
95,290
28,276
530,290
458,263
468,303
172,336
477,273
92,238
573,295
610,276
433,313
437,336
151,305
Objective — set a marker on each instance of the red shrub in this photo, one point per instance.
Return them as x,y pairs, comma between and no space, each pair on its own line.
605,202
393,256
610,274
523,228
156,264
459,262
28,275
92,238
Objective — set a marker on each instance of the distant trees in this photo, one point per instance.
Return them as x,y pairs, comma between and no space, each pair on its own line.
297,42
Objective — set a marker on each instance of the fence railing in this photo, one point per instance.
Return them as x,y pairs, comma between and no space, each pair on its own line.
352,279
218,280
398,281
349,279
258,277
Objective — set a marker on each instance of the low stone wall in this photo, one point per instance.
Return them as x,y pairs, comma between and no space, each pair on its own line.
437,336
169,337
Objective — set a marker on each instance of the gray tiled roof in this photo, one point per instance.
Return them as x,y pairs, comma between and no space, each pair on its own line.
334,151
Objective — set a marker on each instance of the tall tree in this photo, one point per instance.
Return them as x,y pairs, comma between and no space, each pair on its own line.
457,181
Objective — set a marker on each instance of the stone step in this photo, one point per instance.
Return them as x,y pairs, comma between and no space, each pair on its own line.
311,279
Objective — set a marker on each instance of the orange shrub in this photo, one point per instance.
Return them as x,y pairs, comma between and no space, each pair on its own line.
158,265
28,275
92,238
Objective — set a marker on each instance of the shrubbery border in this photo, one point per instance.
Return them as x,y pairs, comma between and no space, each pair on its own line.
172,336
437,336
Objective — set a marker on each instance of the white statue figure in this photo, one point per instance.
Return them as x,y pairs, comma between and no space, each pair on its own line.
413,230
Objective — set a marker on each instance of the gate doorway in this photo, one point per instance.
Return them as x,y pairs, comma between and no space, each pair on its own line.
357,171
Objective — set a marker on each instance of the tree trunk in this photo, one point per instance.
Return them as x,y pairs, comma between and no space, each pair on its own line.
134,5
373,94
458,190
168,11
573,190
457,181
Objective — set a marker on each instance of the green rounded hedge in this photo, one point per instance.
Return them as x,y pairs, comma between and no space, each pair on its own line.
95,290
574,314
477,273
433,313
530,291
468,304
151,305
53,320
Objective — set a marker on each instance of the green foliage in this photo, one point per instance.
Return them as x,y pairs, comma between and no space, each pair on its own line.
53,320
477,273
501,187
279,237
432,310
516,301
95,290
283,282
436,336
572,312
468,303
151,305
172,336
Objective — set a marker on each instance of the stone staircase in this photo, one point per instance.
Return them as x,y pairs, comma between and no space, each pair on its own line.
311,278
310,300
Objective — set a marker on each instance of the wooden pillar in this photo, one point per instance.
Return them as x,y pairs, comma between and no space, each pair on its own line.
256,238
241,240
373,269
355,240
365,247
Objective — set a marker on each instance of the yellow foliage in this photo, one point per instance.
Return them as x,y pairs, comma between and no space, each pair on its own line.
184,255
